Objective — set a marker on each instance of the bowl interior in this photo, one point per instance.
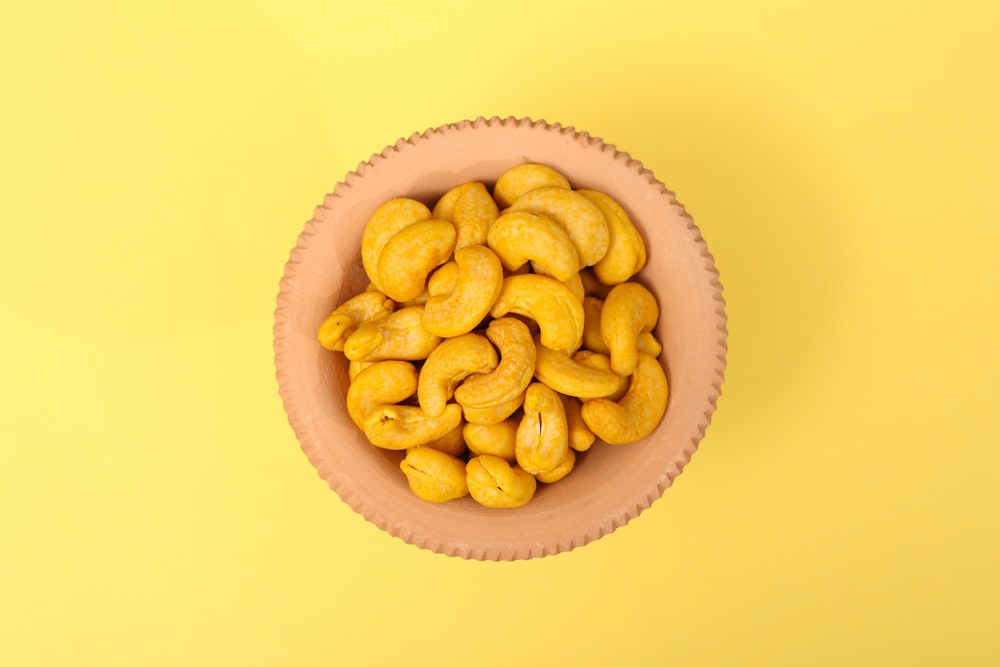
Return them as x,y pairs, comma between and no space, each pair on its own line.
610,484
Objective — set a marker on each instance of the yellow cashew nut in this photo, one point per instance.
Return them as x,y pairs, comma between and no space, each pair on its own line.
523,178
492,414
443,280
451,362
602,362
558,370
493,482
521,237
580,435
411,254
626,250
560,471
580,217
400,335
558,312
496,439
506,384
382,383
384,223
629,310
542,437
592,339
474,212
637,414
344,320
405,426
452,442
434,475
477,285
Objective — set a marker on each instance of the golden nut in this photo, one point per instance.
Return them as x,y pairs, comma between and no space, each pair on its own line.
381,383
404,426
580,217
346,318
560,471
626,250
451,362
434,475
411,254
542,437
629,310
495,439
506,384
558,312
520,237
387,220
400,335
524,178
558,370
637,414
477,285
494,482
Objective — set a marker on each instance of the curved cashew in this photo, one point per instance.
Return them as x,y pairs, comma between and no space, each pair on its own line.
560,471
411,254
602,362
399,335
637,414
344,321
580,217
495,439
355,367
558,370
542,437
626,250
521,237
493,414
434,475
629,310
452,443
493,482
405,426
506,384
523,178
474,212
382,383
477,285
384,223
580,436
558,312
592,339
443,280
448,364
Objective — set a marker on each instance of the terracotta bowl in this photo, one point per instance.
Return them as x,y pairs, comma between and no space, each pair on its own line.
611,484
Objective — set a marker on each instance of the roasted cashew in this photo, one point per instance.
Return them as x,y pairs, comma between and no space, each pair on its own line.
493,482
602,362
452,442
443,280
411,254
387,220
506,384
344,320
520,237
558,312
405,426
444,209
480,277
626,250
448,364
399,335
382,383
637,414
629,310
355,367
523,178
560,471
542,437
474,212
493,414
434,475
580,436
580,217
592,339
496,439
558,370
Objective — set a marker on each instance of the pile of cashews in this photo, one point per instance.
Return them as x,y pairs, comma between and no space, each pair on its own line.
499,335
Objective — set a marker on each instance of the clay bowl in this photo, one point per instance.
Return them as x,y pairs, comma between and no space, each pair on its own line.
611,484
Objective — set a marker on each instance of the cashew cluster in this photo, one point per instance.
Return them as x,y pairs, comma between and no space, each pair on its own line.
501,335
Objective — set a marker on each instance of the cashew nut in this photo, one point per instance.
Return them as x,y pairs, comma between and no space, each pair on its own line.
506,384
448,364
637,414
558,312
626,250
592,286
542,437
355,367
344,320
384,223
399,335
558,370
452,442
580,217
411,254
443,280
521,237
474,212
497,439
592,339
434,475
559,471
580,437
523,178
382,383
602,362
405,426
493,482
493,414
629,310
477,285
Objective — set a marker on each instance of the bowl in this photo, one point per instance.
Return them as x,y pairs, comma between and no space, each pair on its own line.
610,485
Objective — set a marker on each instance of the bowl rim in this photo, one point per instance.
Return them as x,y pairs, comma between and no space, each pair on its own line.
288,390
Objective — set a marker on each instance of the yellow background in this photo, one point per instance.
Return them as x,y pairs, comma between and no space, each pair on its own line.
158,161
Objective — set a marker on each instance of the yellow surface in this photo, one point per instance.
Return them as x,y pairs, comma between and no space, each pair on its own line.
158,161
